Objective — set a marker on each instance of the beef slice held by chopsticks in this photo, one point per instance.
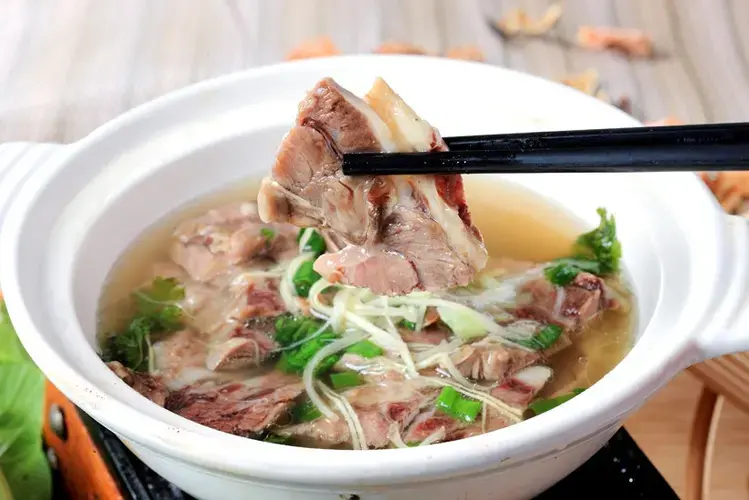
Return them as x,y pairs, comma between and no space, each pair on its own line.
396,234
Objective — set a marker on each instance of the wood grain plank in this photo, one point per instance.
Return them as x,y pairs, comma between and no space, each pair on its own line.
617,76
668,88
417,23
736,11
85,100
705,46
542,57
466,23
40,68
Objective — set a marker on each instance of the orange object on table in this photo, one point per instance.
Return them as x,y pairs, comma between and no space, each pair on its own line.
84,472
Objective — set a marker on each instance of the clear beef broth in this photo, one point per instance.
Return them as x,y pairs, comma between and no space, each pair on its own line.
522,227
526,227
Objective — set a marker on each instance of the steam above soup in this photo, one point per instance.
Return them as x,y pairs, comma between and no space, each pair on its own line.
383,321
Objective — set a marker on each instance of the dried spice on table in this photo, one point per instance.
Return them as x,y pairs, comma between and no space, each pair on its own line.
316,47
399,48
517,22
631,42
466,52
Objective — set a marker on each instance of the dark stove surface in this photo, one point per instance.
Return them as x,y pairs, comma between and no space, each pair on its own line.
619,471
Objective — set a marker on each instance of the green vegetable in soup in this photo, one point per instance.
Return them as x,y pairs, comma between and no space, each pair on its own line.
598,252
561,274
159,303
131,347
365,349
305,411
277,439
452,403
304,278
464,322
564,271
543,339
601,244
267,233
24,473
315,242
300,338
408,324
344,380
157,311
543,405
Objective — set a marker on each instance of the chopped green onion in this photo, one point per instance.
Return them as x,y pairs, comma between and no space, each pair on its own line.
315,242
543,405
277,439
545,338
304,278
267,233
345,380
305,412
408,324
452,403
365,349
464,322
413,444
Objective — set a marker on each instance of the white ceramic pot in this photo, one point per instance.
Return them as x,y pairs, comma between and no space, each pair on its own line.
69,211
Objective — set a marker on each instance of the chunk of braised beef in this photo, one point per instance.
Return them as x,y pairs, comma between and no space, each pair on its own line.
209,245
383,408
572,306
431,421
494,362
389,234
146,385
242,408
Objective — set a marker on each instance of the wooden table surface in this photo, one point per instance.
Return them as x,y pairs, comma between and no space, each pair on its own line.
69,66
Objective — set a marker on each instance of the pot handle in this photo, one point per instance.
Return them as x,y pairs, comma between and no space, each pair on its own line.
731,319
17,161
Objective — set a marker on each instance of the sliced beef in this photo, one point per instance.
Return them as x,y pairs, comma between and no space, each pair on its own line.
331,433
572,306
395,234
241,408
398,401
209,245
246,347
427,423
520,389
382,408
371,370
431,421
146,385
433,334
179,352
493,362
263,299
231,306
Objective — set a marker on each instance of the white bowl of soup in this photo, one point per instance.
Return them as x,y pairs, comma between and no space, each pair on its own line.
220,373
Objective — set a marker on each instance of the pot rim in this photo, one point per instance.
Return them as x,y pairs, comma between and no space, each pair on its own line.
194,443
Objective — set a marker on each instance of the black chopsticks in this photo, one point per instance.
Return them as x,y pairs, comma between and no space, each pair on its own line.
723,146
